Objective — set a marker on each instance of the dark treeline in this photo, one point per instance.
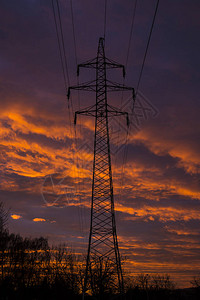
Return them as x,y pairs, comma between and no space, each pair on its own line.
31,269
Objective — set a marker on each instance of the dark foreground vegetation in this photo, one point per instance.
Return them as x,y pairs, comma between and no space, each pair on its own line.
31,269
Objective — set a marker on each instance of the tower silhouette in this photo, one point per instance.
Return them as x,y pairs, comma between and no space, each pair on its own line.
103,246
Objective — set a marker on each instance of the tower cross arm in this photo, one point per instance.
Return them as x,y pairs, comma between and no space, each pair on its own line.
88,111
111,64
88,64
91,113
115,87
114,112
87,86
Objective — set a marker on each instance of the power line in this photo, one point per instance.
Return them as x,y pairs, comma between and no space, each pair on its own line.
147,46
62,51
75,46
139,80
59,46
126,63
131,32
63,43
64,65
73,29
76,61
105,15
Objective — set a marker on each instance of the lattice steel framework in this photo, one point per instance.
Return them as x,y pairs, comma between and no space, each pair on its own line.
103,243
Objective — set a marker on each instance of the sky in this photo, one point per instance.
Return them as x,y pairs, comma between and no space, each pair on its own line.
46,165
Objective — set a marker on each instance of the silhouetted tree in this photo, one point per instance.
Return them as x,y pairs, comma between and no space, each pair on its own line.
3,216
31,269
162,282
196,284
196,281
145,286
102,278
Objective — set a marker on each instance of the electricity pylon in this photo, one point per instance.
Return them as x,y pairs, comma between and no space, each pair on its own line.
103,245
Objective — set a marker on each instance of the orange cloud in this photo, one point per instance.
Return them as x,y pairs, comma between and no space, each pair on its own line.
162,213
184,232
16,217
32,158
39,220
29,122
166,143
36,159
154,185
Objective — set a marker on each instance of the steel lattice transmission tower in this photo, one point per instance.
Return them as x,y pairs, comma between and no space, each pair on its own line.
103,245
